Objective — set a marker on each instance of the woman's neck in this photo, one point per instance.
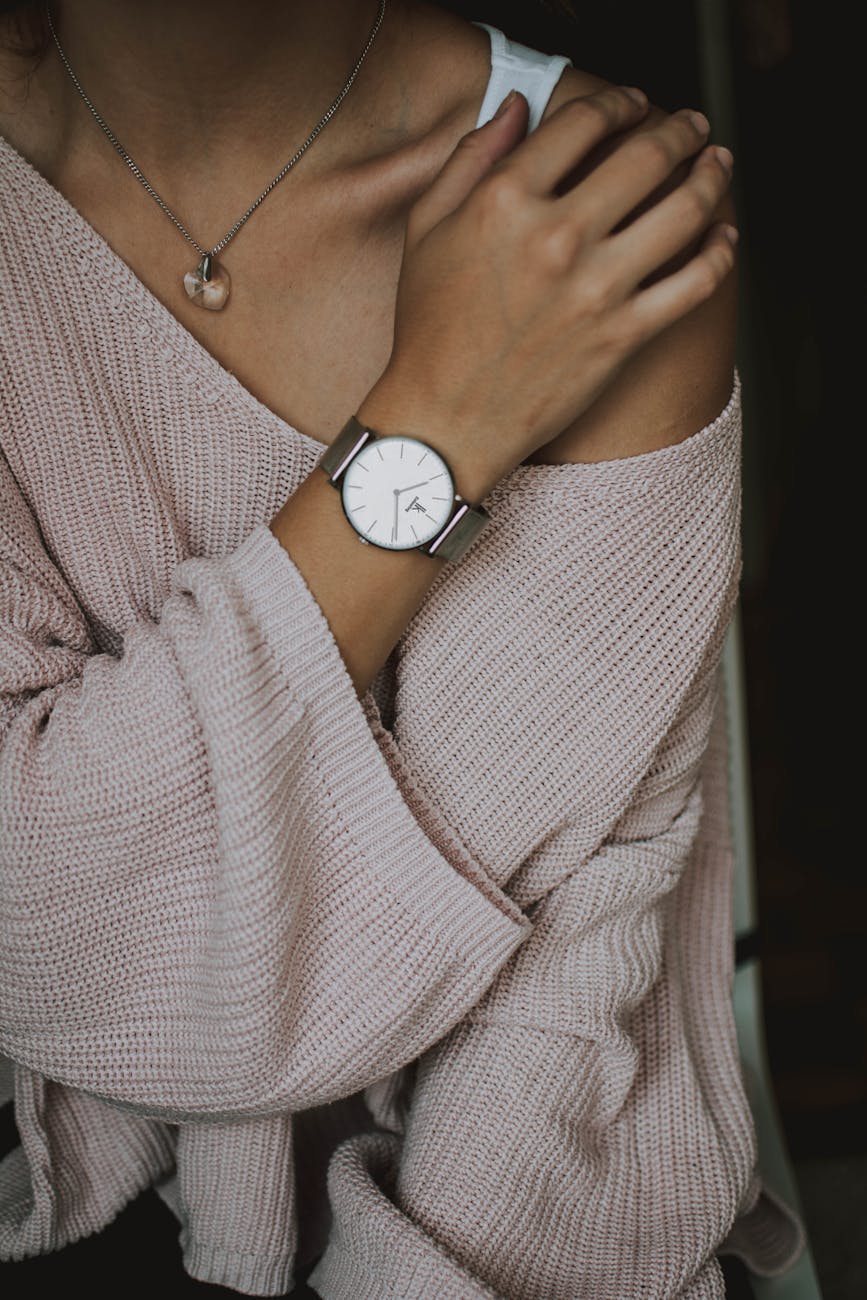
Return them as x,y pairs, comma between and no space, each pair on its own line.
202,88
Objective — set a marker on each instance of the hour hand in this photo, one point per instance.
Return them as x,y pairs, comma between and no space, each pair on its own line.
414,485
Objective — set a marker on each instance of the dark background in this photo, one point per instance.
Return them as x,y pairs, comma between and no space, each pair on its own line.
796,353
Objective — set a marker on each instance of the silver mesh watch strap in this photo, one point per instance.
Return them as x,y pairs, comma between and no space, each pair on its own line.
464,524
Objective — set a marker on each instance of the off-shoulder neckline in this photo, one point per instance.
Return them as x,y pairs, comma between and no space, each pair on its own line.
68,227
76,237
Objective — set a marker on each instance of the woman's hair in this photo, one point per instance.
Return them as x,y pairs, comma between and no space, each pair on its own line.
30,35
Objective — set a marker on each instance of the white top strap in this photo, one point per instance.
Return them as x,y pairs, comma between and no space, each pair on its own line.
519,67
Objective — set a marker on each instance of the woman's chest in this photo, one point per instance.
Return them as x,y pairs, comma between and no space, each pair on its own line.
314,267
308,325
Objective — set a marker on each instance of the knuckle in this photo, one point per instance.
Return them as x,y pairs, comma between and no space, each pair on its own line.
689,125
614,100
470,140
593,294
657,151
468,144
675,139
617,103
696,204
598,109
553,246
498,193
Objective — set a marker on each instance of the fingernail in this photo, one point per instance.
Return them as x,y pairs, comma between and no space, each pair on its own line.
698,120
507,102
731,234
725,156
634,93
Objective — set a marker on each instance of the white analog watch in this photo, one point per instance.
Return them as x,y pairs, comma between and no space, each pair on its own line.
399,493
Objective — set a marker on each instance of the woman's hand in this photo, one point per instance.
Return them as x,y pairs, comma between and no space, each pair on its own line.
516,303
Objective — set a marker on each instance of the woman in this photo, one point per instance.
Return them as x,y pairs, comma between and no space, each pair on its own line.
374,857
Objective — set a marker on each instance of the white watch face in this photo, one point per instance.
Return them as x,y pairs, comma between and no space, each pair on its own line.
398,493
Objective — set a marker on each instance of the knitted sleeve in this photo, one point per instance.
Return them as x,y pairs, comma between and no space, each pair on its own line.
524,1161
214,898
565,647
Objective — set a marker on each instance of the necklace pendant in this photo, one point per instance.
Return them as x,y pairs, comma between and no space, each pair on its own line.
208,286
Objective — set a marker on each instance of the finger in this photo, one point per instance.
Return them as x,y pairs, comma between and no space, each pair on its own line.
671,225
633,171
560,142
651,310
474,156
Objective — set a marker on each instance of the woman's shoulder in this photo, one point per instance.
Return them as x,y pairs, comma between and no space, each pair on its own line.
682,379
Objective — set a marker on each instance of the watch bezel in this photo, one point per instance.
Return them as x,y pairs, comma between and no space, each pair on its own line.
464,523
361,456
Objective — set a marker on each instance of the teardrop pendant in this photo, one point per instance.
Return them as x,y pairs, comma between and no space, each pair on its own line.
208,286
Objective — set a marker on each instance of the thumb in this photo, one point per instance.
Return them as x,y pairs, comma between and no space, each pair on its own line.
474,156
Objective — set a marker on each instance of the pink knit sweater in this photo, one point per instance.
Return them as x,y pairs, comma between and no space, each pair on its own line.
466,942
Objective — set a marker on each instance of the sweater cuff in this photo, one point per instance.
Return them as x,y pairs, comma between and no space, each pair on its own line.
251,1274
361,769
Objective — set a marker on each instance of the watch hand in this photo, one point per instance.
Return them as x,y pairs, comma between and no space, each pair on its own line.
396,500
413,485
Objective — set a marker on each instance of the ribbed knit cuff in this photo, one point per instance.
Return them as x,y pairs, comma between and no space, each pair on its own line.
247,1273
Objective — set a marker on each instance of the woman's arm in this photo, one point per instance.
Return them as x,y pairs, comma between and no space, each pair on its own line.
577,626
213,895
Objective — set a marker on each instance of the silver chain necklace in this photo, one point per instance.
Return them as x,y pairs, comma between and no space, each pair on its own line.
208,285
